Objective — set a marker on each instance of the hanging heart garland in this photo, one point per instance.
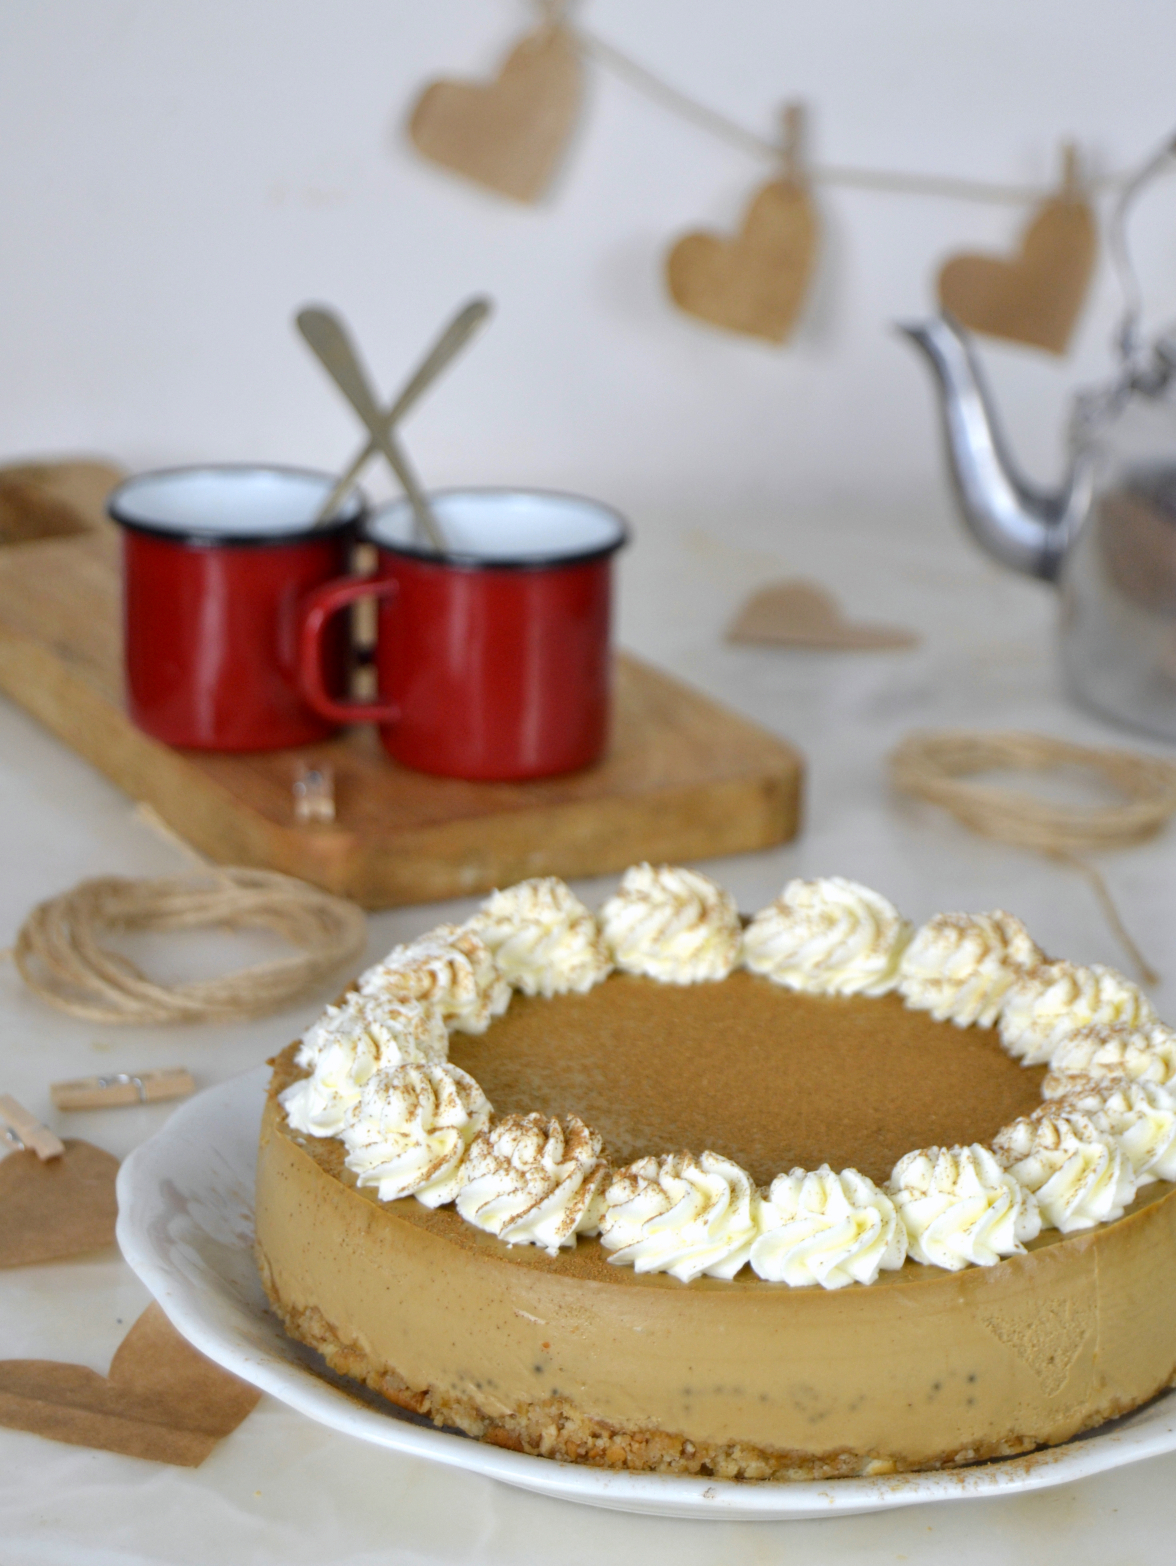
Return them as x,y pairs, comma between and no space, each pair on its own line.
508,134
756,282
1036,296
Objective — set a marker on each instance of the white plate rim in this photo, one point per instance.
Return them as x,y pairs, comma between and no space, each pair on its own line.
207,1123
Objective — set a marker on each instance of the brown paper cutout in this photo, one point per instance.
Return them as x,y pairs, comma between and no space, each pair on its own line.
756,282
1036,296
59,1208
162,1399
508,134
803,614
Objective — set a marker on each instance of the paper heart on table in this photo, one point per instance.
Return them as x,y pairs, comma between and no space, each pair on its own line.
756,282
162,1399
1036,296
507,134
56,1208
802,614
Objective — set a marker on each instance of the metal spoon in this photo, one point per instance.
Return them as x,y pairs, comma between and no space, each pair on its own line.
455,336
328,340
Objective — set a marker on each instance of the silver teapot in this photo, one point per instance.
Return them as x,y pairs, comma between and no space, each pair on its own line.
1106,536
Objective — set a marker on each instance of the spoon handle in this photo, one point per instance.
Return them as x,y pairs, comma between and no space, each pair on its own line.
328,340
451,341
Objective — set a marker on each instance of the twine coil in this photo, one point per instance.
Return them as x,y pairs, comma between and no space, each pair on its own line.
936,765
60,955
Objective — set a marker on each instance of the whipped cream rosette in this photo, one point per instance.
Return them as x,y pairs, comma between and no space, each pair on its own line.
348,1045
1141,1054
960,1209
533,1181
451,969
543,939
828,937
827,1228
673,925
682,1215
408,1131
960,967
1079,1174
1139,1116
1051,1002
391,1025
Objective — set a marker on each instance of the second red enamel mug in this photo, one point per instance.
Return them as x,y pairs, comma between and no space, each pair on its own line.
493,661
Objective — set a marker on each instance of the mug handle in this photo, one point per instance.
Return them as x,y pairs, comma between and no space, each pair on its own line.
317,608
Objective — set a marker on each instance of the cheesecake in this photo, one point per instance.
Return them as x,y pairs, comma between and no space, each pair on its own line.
812,1195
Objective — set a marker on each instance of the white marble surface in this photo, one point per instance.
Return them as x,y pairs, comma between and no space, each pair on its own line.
282,1490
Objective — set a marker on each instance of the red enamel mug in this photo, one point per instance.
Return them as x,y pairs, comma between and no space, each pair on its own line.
492,660
216,564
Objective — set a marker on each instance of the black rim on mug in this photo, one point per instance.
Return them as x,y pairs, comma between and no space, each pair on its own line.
612,530
154,503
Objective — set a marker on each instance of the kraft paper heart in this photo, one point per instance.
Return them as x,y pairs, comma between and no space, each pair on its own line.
756,282
803,614
508,135
59,1208
162,1399
1037,296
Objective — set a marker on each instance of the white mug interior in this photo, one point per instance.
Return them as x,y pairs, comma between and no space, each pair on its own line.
230,504
499,527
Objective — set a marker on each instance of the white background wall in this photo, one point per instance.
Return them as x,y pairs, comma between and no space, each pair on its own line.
175,179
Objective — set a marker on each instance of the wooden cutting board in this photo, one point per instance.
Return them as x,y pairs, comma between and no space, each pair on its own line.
684,778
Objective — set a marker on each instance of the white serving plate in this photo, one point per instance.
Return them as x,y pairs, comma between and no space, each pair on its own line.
185,1225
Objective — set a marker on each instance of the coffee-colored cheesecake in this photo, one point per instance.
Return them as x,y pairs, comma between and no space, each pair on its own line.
823,1196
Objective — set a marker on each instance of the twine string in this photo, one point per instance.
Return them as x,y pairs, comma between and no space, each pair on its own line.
939,766
1111,914
700,114
61,956
1129,335
792,150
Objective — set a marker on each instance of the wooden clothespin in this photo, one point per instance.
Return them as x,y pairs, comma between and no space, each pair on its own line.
314,796
124,1087
26,1131
793,138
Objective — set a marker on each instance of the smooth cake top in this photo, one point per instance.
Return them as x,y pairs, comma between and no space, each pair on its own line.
766,1076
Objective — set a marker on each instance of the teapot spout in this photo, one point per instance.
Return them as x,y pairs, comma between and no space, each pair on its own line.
1022,526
